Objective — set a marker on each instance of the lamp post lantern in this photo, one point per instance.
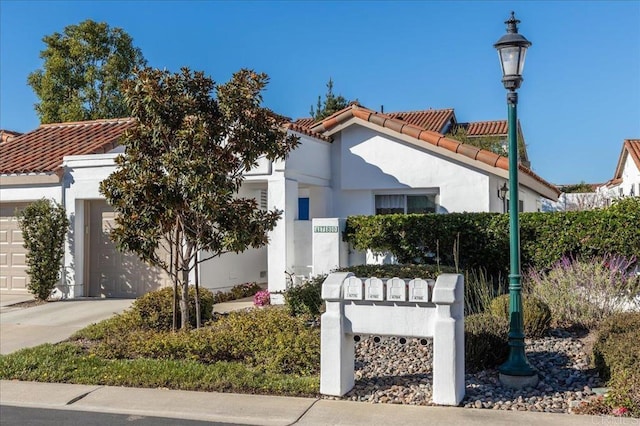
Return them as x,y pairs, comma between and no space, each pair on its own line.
512,48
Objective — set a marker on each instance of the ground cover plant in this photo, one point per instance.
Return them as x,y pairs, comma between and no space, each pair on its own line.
253,351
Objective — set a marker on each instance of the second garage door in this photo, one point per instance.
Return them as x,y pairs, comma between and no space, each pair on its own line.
112,273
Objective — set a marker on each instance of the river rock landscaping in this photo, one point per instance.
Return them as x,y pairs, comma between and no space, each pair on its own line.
395,373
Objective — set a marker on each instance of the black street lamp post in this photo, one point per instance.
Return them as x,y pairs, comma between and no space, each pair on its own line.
512,47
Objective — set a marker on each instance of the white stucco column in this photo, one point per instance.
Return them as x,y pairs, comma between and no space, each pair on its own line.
329,251
282,194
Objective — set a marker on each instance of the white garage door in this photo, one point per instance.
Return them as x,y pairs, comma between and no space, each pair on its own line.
111,273
13,259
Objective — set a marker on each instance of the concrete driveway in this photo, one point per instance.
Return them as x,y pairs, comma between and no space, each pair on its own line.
52,322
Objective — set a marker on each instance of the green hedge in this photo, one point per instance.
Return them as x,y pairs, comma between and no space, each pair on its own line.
481,240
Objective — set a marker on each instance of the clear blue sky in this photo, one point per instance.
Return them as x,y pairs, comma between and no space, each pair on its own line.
579,101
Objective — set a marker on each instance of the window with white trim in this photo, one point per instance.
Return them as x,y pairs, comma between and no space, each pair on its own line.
405,203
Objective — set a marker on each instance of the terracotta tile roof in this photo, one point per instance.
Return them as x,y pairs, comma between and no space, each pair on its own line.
306,131
427,136
435,120
486,128
431,119
42,150
305,122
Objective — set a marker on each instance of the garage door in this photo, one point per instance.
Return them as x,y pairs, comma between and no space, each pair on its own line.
111,273
13,266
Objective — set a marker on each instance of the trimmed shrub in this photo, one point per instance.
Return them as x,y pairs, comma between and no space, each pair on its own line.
485,341
239,291
155,309
400,271
481,240
536,314
420,238
584,292
616,356
306,298
44,226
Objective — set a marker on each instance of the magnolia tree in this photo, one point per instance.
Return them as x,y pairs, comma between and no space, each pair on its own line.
176,186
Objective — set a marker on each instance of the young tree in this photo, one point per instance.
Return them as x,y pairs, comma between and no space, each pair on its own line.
332,104
176,187
83,69
44,226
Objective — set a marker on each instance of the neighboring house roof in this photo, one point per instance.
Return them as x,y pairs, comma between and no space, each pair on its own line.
42,150
436,120
7,135
486,128
630,148
421,134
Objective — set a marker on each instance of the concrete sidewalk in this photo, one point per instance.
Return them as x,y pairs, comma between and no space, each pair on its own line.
264,410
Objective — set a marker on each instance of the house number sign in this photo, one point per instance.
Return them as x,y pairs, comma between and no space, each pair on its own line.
325,229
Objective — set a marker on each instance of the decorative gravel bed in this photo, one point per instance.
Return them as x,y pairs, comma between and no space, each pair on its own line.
390,372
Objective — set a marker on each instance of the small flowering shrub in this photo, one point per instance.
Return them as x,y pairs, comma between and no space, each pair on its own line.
586,291
306,298
262,298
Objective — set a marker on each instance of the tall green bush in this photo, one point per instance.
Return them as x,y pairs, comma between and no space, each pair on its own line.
44,226
481,240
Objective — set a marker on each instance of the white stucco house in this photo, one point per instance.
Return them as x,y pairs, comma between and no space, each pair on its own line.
355,162
626,180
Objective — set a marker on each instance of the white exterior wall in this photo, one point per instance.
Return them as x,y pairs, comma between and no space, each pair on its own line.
222,273
28,193
370,163
82,177
630,179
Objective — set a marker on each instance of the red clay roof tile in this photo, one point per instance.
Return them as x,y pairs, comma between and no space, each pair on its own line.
305,131
42,150
434,138
435,120
485,128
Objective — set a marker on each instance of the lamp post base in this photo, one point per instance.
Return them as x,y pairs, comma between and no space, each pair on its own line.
519,382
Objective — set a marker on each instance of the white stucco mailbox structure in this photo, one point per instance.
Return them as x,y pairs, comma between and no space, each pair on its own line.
393,307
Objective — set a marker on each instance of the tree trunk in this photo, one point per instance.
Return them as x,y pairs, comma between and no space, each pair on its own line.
184,299
174,278
197,285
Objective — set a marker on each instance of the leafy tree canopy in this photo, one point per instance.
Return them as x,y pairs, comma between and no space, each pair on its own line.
495,144
176,187
577,188
82,72
331,104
